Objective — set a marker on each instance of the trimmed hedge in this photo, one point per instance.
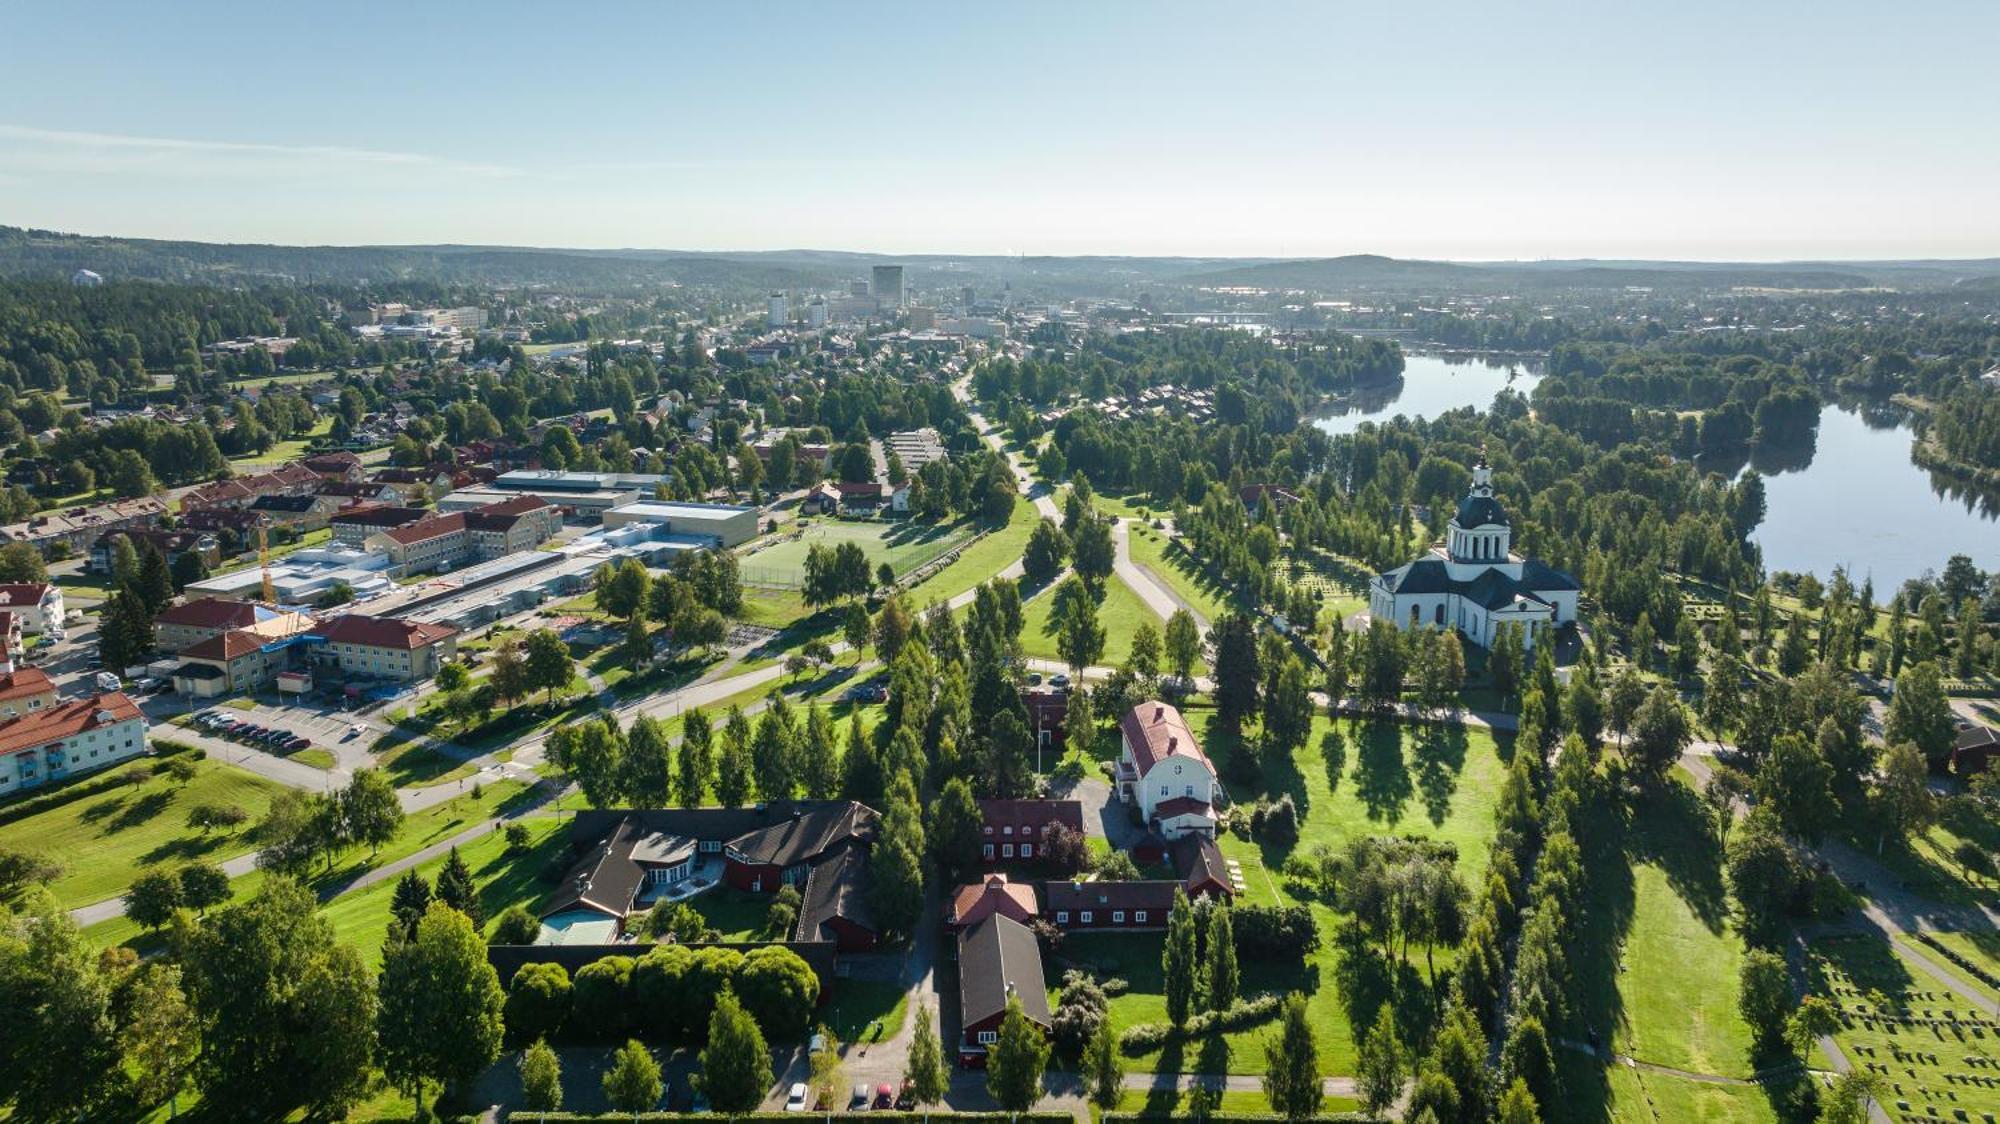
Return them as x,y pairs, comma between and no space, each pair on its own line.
1237,1117
887,1117
523,1116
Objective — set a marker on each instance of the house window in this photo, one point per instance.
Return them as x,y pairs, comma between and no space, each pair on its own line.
1086,917
987,850
1117,917
1006,850
1008,830
756,885
988,1037
1190,790
988,829
1139,917
1027,850
1062,917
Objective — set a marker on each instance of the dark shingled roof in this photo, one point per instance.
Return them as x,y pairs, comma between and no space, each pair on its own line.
999,958
1425,575
812,829
1200,862
1101,895
837,886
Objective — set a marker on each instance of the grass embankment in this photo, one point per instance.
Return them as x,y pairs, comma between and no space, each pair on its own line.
106,837
982,560
504,878
1119,612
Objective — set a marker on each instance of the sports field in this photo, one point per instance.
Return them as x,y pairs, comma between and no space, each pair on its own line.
904,546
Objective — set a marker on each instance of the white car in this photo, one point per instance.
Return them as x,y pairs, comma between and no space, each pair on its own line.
796,1100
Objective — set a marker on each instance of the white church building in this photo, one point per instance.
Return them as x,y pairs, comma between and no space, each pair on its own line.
1473,581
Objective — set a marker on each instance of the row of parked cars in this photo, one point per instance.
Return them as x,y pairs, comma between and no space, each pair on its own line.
229,727
885,1096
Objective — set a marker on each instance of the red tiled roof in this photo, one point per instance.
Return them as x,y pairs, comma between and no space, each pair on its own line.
224,646
23,682
210,612
65,720
971,904
437,526
381,632
23,593
1156,731
1181,806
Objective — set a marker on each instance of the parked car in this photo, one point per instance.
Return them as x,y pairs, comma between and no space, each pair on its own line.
795,1101
885,1096
296,744
859,1102
906,1098
1059,681
1034,679
106,681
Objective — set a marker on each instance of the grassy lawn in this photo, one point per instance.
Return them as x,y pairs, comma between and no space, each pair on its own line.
1184,1104
982,560
413,764
1393,779
1637,1096
738,914
286,451
105,839
903,545
361,918
1982,949
316,757
1673,1016
773,608
1120,613
855,1005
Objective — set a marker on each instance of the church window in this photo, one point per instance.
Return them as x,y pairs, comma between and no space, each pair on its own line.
1439,617
1415,615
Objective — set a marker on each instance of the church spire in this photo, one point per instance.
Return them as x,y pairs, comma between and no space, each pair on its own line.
1482,476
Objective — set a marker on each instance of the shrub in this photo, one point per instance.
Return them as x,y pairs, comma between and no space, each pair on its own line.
515,925
1276,822
1267,931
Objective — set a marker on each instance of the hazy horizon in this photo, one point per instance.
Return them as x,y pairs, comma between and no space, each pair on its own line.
1705,132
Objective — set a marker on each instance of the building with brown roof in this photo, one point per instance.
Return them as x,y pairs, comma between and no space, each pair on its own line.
39,605
442,541
969,905
353,526
190,622
1109,905
382,647
335,466
1018,829
57,742
1204,871
1162,770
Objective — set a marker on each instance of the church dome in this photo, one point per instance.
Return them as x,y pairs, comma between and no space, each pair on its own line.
1480,511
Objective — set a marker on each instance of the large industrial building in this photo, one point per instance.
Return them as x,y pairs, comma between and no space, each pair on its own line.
728,525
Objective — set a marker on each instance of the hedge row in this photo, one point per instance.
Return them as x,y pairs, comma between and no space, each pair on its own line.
1978,971
525,1117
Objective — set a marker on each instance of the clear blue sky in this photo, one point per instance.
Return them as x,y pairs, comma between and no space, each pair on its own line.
1472,130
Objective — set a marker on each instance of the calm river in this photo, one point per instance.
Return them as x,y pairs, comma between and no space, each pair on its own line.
1855,498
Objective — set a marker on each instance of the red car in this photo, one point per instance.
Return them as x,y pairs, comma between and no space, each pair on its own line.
885,1097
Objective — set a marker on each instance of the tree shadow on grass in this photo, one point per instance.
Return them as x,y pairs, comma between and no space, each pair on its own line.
183,849
1333,756
1594,942
1381,775
102,810
1368,979
139,811
1440,755
1672,829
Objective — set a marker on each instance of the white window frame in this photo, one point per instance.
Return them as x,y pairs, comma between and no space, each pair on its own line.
1062,917
1085,919
1117,917
988,1037
1138,917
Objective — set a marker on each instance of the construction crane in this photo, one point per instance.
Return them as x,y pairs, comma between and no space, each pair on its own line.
264,562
